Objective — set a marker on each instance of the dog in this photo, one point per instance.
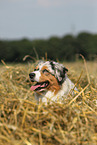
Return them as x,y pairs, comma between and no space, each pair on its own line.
52,83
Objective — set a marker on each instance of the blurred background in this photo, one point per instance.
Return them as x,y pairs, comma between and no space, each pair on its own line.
62,29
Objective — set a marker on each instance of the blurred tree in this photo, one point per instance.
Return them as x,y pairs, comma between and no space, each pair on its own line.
65,48
87,44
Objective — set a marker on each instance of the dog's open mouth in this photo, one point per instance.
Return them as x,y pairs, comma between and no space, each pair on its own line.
40,86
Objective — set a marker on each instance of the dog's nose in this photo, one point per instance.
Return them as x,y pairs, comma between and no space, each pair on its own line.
32,75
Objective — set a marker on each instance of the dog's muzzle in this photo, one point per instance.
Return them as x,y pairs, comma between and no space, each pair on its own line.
39,86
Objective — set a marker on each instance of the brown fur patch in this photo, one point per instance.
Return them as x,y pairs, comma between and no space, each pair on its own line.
46,76
37,67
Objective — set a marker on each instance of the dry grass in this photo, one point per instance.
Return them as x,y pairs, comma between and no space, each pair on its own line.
23,122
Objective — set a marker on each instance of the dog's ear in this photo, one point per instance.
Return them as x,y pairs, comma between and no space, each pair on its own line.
61,74
59,71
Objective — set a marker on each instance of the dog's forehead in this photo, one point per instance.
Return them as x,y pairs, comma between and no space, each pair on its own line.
51,65
46,64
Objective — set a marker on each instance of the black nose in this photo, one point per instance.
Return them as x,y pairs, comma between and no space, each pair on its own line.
32,75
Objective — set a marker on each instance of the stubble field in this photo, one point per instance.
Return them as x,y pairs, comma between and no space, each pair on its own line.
23,122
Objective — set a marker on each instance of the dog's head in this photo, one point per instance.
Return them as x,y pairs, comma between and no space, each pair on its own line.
48,75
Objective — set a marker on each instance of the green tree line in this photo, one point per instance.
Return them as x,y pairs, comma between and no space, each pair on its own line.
64,48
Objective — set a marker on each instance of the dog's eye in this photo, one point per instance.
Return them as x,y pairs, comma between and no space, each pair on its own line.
45,71
36,69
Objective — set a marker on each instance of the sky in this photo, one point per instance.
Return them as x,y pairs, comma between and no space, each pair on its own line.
34,19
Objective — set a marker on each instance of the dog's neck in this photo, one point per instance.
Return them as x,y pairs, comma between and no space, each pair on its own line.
39,96
51,96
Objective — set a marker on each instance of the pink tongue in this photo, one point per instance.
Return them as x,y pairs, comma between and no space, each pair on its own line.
34,87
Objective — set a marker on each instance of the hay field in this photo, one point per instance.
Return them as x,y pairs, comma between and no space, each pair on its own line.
23,122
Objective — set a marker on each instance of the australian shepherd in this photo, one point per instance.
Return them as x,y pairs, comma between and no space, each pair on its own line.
52,83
